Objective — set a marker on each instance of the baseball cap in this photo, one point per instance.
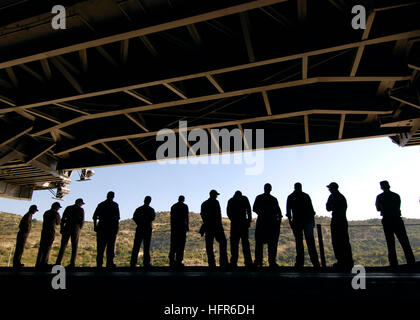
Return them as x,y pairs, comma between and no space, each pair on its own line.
214,192
333,185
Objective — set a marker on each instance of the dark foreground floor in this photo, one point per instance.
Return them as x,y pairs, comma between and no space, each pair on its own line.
271,293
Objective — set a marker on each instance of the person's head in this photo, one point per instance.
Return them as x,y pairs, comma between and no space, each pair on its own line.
147,200
181,199
238,194
214,194
32,209
385,185
79,202
298,187
333,187
110,195
56,206
267,188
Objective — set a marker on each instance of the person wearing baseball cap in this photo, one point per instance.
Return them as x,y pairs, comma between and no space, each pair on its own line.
389,203
70,226
213,229
337,204
25,226
51,220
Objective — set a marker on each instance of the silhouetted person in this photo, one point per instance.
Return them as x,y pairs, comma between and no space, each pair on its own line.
213,228
179,229
301,213
339,229
388,203
240,215
143,217
268,226
25,226
106,229
51,219
71,224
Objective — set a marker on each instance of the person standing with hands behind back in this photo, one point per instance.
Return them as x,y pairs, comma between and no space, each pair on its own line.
339,229
106,229
143,217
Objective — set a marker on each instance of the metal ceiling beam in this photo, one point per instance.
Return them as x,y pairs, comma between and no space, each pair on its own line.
71,108
214,82
12,76
46,68
6,139
66,74
219,125
222,70
32,72
137,122
138,96
141,154
405,139
83,59
341,128
360,50
405,101
216,97
306,127
175,90
192,29
302,8
246,31
124,50
246,144
267,103
113,152
144,31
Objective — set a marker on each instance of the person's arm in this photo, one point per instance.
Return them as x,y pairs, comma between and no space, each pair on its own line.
378,204
329,206
82,218
248,211
96,216
256,206
153,215
310,206
136,216
279,214
229,209
289,208
187,218
118,212
203,213
23,224
64,218
57,219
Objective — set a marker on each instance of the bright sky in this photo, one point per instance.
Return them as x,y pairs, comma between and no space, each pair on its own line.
357,167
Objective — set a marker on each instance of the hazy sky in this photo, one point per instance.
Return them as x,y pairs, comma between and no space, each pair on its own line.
356,166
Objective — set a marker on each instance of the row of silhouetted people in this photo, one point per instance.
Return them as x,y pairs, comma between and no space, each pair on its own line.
300,214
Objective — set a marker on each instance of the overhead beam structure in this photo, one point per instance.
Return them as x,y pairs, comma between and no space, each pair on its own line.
123,72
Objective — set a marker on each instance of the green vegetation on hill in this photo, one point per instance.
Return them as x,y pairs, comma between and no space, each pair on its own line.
367,239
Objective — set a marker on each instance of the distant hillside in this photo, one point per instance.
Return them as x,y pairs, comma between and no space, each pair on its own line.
368,243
